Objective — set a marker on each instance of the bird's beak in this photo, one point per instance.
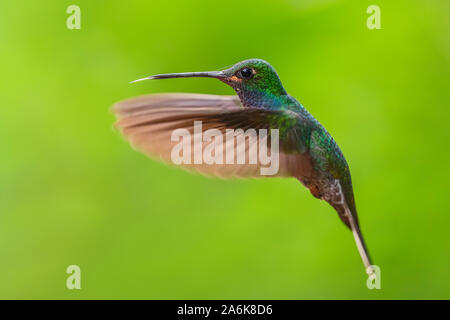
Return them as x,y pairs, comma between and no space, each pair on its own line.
206,74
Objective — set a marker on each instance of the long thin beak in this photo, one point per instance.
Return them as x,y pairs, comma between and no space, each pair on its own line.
207,74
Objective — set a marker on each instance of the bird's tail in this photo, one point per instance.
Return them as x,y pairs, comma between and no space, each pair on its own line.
359,240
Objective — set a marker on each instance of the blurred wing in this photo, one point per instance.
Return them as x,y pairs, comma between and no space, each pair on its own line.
149,122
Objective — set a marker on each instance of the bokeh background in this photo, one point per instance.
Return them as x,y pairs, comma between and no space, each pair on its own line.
72,191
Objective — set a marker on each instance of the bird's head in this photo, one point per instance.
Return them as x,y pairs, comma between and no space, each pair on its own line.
255,81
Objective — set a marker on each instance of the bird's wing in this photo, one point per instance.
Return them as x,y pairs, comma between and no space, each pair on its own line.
149,122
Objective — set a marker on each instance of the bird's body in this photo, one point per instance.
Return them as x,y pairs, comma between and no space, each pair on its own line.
307,150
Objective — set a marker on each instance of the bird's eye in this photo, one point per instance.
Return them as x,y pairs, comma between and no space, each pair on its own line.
246,73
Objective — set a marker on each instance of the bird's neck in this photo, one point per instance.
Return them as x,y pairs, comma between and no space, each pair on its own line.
266,99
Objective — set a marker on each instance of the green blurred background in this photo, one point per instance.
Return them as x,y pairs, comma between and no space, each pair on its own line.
72,191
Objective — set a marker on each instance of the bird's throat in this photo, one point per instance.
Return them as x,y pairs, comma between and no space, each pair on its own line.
264,99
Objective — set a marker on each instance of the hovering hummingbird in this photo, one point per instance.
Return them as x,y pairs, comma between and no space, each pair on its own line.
307,151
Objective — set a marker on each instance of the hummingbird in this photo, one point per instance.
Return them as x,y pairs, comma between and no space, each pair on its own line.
307,151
